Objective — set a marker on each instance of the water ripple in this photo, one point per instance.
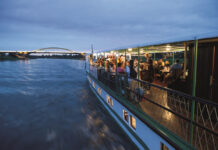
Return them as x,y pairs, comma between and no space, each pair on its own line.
46,104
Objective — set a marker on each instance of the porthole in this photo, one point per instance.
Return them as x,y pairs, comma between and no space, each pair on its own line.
125,116
133,122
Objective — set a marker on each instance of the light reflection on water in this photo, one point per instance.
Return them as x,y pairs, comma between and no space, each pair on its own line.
47,104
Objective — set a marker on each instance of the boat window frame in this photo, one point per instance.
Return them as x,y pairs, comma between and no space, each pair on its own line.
126,114
93,84
131,122
163,146
109,100
99,91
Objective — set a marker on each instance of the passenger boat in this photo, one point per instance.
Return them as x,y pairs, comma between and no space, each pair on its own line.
177,114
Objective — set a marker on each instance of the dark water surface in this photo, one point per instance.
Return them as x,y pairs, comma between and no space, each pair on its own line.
46,104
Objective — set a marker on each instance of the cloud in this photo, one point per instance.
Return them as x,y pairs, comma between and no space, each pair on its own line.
105,23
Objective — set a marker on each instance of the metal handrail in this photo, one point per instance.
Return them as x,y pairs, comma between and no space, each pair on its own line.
190,98
179,93
175,91
199,123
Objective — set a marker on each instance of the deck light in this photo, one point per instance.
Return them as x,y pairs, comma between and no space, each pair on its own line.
168,48
130,49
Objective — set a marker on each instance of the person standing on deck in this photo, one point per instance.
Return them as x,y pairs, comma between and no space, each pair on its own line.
119,68
175,66
133,83
135,65
127,69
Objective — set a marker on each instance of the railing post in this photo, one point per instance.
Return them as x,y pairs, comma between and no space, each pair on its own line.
138,66
185,61
116,76
194,89
125,60
138,91
85,63
116,64
173,58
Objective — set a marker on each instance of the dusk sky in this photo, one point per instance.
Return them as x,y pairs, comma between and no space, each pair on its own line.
76,24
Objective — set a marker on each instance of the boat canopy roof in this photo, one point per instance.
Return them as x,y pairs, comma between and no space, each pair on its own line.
164,46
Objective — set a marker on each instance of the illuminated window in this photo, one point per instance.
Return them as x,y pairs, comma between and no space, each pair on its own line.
110,101
125,116
132,122
93,84
100,91
164,147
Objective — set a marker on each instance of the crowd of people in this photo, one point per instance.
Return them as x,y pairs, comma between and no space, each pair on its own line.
144,69
147,70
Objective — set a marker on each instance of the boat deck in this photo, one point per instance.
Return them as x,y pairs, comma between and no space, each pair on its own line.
181,127
170,108
162,116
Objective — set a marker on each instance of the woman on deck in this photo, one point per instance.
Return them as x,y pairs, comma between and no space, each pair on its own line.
133,83
119,68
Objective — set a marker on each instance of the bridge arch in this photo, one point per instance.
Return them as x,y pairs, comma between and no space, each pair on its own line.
54,48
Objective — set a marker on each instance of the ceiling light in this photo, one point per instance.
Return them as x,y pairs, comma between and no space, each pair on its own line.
129,49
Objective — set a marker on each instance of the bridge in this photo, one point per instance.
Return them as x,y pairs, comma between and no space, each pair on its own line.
58,50
43,51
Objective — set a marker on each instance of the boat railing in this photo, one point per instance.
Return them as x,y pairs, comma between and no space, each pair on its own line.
93,70
193,119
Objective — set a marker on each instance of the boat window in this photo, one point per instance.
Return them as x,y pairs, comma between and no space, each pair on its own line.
164,147
110,101
100,91
93,84
133,122
125,116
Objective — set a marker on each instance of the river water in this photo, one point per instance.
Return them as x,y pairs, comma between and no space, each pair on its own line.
46,104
